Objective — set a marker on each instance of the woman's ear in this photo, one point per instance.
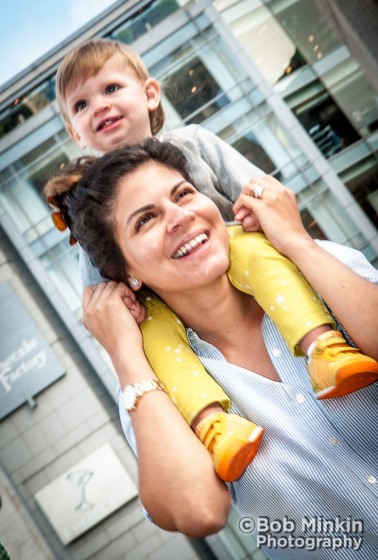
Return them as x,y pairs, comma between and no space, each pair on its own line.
152,90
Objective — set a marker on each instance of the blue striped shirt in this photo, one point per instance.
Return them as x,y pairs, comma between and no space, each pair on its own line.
317,465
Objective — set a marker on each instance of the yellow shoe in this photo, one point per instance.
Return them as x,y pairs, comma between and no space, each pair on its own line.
336,368
232,441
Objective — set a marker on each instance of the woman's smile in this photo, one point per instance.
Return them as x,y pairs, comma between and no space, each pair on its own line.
191,246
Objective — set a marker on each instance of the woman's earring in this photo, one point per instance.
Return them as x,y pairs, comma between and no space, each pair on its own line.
134,283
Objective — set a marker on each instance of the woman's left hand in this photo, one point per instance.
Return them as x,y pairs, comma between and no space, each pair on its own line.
276,209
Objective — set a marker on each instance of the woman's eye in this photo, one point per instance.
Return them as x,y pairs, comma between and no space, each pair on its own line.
80,105
142,221
111,88
184,192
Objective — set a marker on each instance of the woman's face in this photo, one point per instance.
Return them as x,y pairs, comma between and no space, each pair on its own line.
172,237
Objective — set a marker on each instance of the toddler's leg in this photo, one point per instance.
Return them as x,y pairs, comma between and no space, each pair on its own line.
257,268
335,367
232,440
202,402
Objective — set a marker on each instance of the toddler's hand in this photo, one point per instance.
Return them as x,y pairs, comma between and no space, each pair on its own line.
137,309
246,216
277,209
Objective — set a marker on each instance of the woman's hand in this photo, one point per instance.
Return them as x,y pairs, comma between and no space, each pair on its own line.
276,210
111,314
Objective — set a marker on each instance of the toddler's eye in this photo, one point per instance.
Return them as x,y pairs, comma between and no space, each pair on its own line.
80,105
111,88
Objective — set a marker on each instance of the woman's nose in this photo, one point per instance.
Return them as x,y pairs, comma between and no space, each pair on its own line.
179,217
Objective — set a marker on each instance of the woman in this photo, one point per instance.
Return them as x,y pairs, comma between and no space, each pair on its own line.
135,210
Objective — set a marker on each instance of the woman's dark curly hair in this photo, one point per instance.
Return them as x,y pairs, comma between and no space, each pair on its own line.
92,203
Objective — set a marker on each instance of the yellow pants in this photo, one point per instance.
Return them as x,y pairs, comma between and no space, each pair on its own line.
256,268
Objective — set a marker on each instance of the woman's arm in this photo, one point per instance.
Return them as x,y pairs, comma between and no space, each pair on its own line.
352,298
177,482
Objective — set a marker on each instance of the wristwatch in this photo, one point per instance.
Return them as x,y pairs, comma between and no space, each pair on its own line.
132,393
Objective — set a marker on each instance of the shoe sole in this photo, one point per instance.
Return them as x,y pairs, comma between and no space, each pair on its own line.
230,470
348,381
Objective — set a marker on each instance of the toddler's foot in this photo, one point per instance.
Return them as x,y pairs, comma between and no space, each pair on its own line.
232,441
336,368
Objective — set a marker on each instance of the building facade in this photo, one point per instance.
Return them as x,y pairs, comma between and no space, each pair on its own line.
272,78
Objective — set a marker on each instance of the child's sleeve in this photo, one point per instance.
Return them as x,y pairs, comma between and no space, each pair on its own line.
167,349
233,171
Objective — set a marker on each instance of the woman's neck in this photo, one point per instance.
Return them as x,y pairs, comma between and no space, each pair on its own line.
229,320
215,313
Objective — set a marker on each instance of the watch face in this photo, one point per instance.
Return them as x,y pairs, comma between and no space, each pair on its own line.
129,397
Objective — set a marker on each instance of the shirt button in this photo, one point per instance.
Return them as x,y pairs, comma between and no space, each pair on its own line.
334,441
277,353
371,479
300,398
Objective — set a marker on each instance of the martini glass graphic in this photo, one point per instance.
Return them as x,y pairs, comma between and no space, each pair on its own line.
81,479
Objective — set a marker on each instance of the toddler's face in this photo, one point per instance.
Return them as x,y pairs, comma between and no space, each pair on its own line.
111,109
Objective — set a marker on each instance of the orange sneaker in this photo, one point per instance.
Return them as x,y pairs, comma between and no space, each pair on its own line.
232,441
336,368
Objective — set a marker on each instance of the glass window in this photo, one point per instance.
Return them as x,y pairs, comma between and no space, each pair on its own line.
21,193
325,216
262,139
144,20
354,94
263,39
200,78
191,89
362,181
308,30
21,197
318,112
251,149
312,225
62,264
26,106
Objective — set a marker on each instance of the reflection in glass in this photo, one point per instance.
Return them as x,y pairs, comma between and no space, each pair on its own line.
362,181
144,20
327,125
263,39
192,87
354,94
328,218
251,149
306,27
312,225
26,106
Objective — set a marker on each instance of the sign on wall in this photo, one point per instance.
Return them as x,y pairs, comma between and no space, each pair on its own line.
27,363
87,493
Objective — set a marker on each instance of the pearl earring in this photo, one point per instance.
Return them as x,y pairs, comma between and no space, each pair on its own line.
134,283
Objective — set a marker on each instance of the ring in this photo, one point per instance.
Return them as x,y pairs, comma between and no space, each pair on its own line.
257,190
